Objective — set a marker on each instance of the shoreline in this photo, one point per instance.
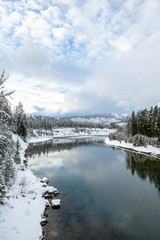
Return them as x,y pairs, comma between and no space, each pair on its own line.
22,213
149,150
70,132
25,198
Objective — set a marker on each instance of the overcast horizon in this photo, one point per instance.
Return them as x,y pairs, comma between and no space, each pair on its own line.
79,57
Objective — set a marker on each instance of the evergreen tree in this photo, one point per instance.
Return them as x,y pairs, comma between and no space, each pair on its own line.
149,122
17,158
158,125
154,121
6,142
145,122
20,121
133,121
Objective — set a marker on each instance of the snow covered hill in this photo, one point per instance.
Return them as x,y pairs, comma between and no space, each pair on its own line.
101,118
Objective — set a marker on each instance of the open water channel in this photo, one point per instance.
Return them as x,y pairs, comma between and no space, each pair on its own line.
106,193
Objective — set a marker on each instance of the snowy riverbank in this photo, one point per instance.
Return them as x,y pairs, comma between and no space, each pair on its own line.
22,212
69,132
23,208
153,151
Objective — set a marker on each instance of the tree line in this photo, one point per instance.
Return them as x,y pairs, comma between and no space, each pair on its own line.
145,122
143,128
49,123
9,149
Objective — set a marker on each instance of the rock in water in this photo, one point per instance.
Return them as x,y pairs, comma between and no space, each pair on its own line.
43,222
44,180
56,193
56,203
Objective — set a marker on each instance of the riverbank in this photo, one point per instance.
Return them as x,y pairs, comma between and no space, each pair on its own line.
69,132
149,150
22,211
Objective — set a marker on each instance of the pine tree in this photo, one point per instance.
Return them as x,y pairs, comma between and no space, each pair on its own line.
20,121
133,121
6,142
154,121
17,158
149,122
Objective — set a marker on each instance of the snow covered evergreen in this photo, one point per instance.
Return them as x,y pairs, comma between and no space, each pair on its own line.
7,145
145,122
21,193
20,121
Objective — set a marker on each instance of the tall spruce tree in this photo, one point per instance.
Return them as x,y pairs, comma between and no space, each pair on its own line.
133,122
17,158
6,142
154,121
145,122
20,120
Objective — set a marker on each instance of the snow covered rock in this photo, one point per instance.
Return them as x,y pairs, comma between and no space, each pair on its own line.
56,193
44,185
50,191
56,203
44,180
44,222
47,203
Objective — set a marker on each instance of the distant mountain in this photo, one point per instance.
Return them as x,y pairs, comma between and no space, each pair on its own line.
101,118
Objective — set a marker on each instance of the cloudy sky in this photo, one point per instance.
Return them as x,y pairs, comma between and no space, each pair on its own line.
81,56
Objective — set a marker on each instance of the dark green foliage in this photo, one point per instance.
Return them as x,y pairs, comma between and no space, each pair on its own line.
133,127
17,158
6,142
143,128
20,121
145,122
118,136
137,140
49,123
144,167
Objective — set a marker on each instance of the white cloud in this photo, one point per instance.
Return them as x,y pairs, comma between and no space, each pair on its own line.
105,53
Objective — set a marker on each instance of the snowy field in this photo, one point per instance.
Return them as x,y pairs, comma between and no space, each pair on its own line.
154,151
22,212
70,132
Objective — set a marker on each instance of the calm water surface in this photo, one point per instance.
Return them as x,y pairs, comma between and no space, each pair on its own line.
106,194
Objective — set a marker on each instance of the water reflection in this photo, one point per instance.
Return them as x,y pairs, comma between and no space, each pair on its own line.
100,198
60,144
145,167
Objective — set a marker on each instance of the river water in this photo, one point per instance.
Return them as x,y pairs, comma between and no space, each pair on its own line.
106,193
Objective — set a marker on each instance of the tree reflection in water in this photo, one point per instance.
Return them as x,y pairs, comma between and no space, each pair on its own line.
58,145
97,192
145,167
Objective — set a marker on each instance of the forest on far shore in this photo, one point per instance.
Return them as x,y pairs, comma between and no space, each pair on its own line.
142,129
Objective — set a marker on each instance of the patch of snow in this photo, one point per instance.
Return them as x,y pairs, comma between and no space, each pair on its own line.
122,124
56,203
22,212
101,118
39,139
23,208
70,132
149,149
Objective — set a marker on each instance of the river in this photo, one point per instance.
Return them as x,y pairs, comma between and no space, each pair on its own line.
106,193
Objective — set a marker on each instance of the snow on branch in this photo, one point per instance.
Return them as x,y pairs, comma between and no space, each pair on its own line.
7,94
